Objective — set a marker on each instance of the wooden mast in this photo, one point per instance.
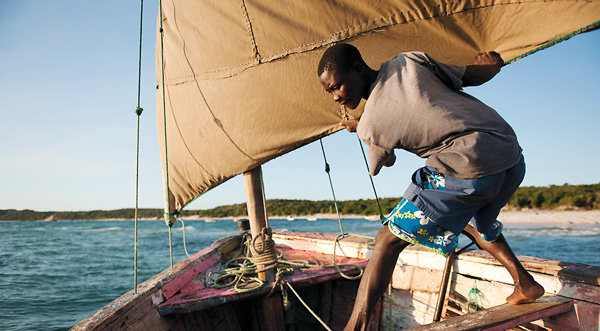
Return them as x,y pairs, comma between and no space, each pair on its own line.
270,309
257,214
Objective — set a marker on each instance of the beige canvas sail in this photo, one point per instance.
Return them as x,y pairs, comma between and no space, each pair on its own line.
240,82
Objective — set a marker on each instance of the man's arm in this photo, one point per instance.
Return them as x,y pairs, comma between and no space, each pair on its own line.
484,67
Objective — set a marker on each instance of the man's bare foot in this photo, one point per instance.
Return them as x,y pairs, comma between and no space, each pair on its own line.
525,294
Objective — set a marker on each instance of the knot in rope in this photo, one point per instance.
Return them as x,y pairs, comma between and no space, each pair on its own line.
263,250
171,218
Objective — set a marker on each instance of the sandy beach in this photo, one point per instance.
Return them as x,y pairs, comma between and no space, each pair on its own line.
525,217
547,217
508,217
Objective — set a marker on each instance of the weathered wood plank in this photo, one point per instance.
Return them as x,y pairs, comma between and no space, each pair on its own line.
208,297
585,316
503,317
416,279
351,246
409,309
136,311
581,273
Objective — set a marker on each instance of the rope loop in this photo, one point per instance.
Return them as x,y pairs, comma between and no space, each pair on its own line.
474,294
337,267
169,216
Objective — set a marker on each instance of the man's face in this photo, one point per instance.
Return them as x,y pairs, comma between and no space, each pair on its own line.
346,87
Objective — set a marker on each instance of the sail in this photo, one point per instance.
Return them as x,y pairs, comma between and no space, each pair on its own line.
240,85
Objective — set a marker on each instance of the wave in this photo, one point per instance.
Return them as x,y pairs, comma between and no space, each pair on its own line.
187,228
86,228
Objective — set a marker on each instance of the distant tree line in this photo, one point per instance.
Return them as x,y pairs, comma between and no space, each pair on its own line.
557,197
551,197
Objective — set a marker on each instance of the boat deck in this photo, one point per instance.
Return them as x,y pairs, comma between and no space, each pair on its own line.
503,317
197,295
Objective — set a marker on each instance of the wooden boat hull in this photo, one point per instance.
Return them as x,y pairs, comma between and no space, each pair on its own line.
183,299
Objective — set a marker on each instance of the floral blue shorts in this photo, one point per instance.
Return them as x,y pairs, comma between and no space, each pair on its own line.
409,223
455,202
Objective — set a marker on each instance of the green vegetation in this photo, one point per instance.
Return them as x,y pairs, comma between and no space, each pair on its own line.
552,197
557,197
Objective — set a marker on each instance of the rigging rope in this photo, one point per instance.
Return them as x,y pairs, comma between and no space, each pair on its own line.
381,217
327,169
342,235
138,111
183,230
555,41
168,215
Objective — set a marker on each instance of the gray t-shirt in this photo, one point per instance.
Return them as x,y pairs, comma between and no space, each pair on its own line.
416,104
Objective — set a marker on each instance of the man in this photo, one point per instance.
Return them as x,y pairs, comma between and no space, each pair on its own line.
474,162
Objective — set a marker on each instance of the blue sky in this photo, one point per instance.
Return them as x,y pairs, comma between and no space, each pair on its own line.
68,90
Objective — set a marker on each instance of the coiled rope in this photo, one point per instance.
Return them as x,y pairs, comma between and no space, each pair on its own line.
258,255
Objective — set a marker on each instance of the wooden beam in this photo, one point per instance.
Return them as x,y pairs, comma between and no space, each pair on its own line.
255,202
504,317
271,308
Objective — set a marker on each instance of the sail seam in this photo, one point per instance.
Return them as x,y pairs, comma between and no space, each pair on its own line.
257,57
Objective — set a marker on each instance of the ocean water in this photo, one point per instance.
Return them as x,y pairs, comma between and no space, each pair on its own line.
55,274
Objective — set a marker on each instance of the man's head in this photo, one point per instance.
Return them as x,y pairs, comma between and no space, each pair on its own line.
344,74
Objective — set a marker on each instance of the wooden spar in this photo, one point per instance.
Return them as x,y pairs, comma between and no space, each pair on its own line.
170,208
270,309
255,200
443,287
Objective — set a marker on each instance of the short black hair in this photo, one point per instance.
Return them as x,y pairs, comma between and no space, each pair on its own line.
340,57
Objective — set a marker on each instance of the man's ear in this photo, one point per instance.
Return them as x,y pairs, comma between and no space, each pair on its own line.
359,68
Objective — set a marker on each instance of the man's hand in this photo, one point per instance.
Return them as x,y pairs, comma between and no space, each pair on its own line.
391,160
485,66
488,58
350,124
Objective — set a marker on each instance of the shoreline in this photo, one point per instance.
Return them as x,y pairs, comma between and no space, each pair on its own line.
549,217
522,217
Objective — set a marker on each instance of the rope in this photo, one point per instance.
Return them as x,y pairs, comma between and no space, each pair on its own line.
342,235
263,252
138,111
240,271
164,106
308,308
171,246
337,240
381,217
554,42
473,297
327,169
183,230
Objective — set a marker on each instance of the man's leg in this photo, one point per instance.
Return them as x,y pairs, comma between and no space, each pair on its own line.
376,278
526,288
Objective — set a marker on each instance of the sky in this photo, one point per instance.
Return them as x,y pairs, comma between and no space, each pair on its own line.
68,93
